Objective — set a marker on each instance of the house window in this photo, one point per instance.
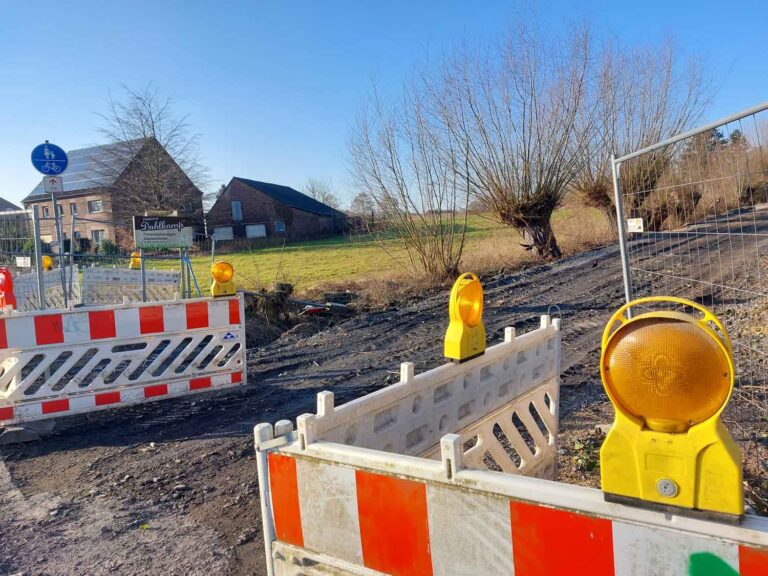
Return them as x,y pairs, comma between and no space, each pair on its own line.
237,211
97,236
95,206
73,208
255,231
60,209
223,233
77,235
46,212
280,226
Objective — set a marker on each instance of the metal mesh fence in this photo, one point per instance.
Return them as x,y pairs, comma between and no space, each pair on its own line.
107,277
693,213
87,272
17,244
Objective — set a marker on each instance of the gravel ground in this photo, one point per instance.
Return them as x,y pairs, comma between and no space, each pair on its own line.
170,487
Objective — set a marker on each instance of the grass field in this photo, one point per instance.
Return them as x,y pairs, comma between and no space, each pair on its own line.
334,261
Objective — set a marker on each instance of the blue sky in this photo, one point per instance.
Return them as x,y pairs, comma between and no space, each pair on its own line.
273,87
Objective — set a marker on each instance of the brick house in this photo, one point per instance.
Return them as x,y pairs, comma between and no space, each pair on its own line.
96,188
251,209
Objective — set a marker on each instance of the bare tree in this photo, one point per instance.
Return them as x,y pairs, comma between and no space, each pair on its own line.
514,116
641,97
321,191
146,136
362,205
411,170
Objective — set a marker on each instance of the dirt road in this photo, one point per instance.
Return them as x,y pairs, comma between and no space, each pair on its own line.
170,488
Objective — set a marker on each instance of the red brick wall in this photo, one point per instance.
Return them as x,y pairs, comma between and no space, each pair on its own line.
260,208
102,219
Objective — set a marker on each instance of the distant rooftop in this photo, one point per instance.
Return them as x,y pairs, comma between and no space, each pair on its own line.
6,206
94,167
291,197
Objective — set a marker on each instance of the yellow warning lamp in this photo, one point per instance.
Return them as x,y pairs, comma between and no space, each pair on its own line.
135,263
669,376
465,337
222,273
47,262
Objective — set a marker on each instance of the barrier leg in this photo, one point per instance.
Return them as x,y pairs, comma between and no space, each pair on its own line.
263,433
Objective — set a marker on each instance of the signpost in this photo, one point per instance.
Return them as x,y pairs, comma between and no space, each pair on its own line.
51,161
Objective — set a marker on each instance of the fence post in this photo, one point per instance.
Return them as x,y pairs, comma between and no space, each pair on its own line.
60,240
71,254
621,222
181,275
143,277
38,258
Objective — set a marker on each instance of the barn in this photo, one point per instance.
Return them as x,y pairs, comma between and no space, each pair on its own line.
252,209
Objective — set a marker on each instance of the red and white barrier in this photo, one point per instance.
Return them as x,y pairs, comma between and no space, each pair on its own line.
345,495
398,517
73,361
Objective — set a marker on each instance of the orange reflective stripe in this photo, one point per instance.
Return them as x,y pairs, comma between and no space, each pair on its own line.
102,324
234,311
284,487
753,562
151,319
549,542
197,315
394,529
49,329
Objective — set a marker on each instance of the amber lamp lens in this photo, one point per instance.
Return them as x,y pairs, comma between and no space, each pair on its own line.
670,373
470,301
222,271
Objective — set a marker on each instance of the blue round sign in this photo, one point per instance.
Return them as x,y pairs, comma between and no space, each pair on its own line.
49,159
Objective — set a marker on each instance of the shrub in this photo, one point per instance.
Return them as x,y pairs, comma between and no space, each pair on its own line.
108,248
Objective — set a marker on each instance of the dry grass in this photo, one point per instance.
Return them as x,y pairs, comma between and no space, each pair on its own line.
379,270
491,247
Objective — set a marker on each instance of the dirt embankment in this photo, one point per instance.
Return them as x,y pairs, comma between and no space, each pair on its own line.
170,487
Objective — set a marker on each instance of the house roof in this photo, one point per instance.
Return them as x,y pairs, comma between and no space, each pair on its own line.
6,206
291,197
89,168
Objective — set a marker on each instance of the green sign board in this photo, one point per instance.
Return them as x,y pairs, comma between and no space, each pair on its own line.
160,232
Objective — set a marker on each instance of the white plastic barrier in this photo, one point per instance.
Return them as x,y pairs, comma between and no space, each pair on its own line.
334,508
73,361
115,285
25,289
503,404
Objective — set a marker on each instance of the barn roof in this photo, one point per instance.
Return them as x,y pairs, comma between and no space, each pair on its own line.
290,197
6,206
89,168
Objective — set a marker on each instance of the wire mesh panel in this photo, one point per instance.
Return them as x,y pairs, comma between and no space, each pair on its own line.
695,223
25,289
17,241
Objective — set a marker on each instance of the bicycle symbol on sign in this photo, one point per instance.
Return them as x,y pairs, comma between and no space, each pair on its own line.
50,164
